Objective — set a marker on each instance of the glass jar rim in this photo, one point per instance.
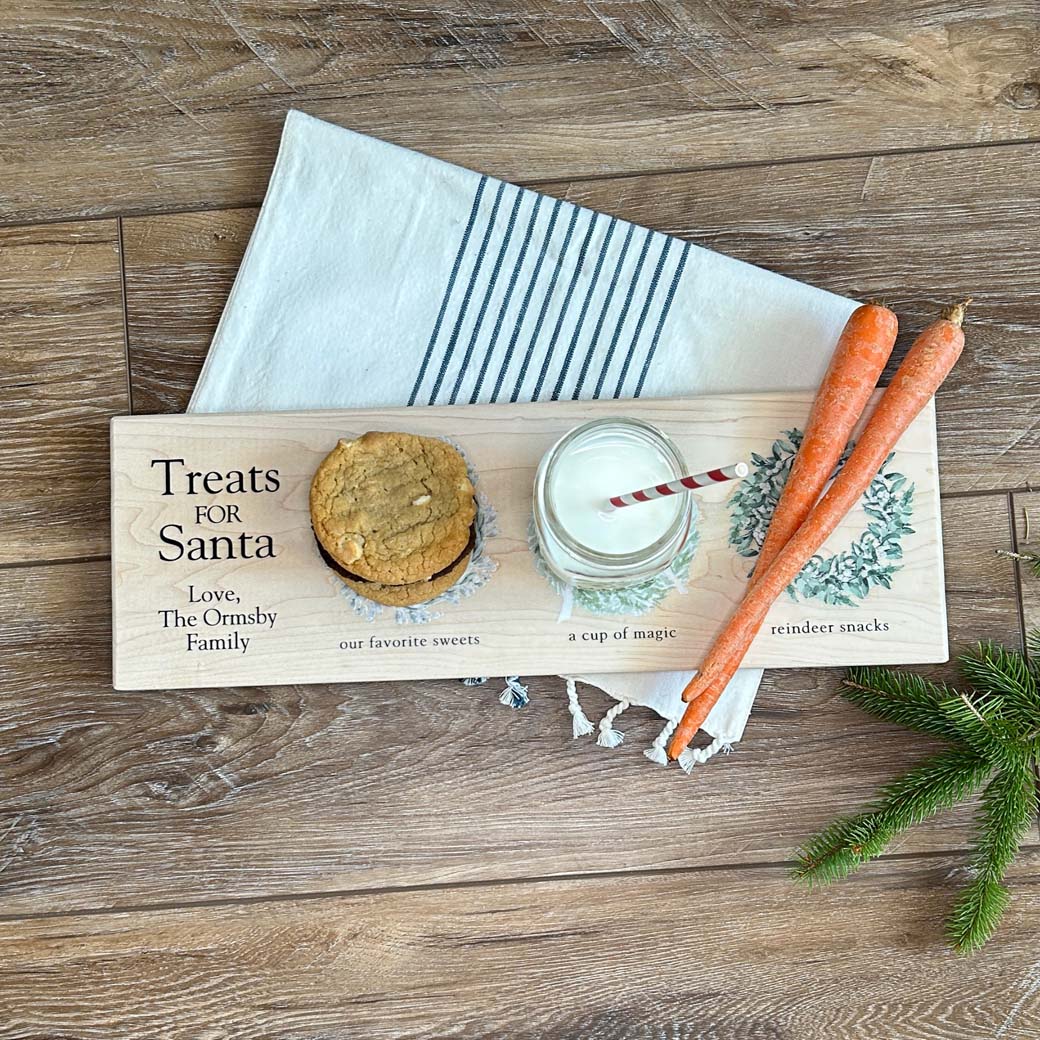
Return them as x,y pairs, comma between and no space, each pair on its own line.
679,527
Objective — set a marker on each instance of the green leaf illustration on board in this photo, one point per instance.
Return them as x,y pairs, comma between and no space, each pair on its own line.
845,577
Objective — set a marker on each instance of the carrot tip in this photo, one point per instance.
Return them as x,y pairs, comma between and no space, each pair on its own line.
955,313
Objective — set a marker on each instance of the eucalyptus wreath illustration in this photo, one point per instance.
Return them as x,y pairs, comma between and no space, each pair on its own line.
845,577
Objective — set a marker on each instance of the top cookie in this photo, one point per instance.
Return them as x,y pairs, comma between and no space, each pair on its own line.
393,508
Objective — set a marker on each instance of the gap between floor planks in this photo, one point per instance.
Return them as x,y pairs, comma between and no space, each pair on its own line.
1030,845
541,183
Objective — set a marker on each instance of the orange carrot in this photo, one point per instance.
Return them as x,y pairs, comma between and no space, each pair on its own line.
926,365
859,358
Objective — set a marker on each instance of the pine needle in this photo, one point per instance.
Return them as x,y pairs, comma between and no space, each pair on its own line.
1008,808
1003,672
903,698
1030,559
940,782
1033,646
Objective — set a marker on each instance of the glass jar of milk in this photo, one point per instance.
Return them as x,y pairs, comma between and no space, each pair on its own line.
584,540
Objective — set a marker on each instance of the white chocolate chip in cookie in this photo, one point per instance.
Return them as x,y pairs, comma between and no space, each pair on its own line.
352,547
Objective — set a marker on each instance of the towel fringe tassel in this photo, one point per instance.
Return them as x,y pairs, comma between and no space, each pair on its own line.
580,725
656,751
515,693
608,736
698,756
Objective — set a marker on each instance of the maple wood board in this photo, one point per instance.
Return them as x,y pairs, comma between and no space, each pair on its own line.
163,636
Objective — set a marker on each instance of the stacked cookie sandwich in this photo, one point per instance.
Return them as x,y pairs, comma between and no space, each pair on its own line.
393,514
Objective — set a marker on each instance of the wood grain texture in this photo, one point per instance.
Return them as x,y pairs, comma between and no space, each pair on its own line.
176,105
62,376
979,587
736,954
179,271
1025,508
120,799
917,230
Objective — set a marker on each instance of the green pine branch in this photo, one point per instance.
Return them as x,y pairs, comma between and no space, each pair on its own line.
1005,674
1008,809
935,785
993,738
983,724
839,849
903,698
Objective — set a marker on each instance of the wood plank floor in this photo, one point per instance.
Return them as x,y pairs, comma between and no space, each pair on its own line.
560,958
64,375
292,861
177,105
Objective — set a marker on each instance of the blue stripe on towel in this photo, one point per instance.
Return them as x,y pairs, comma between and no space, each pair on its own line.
475,393
483,337
546,361
515,395
651,292
492,282
664,315
590,352
527,299
593,281
464,306
447,292
624,314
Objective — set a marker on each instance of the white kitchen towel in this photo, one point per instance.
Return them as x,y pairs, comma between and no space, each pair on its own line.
379,276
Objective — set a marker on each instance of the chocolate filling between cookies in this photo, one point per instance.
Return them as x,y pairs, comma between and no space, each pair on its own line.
343,572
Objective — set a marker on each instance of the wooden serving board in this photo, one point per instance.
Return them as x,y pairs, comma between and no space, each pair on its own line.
183,622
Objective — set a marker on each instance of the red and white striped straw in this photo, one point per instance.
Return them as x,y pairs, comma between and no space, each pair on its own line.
675,487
